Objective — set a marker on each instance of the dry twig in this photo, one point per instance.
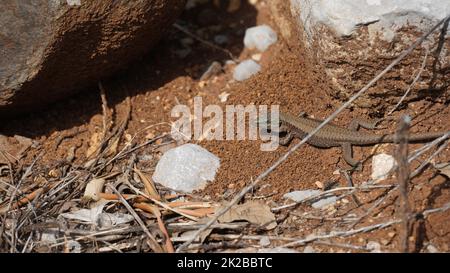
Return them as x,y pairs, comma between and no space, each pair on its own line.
403,178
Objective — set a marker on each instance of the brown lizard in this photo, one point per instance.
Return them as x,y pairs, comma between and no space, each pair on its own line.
332,135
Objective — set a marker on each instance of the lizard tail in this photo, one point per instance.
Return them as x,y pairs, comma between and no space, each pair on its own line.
419,137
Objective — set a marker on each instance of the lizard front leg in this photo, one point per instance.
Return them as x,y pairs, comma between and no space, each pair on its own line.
285,140
348,156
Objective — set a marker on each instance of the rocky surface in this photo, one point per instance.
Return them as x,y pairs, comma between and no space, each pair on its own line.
354,40
49,49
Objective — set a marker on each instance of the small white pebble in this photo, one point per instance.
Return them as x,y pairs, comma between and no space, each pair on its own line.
432,249
375,247
260,37
245,70
299,196
319,184
323,203
264,241
186,168
309,249
224,96
257,57
382,164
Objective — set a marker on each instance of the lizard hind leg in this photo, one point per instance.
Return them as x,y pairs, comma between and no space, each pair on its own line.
348,156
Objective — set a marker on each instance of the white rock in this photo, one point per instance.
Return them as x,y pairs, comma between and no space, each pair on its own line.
257,57
374,247
186,168
224,96
264,241
309,249
382,164
299,196
432,249
260,37
324,202
245,70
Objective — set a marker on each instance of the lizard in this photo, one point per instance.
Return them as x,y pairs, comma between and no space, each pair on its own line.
332,135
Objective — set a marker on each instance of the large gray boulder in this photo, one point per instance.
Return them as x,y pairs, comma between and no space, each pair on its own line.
51,48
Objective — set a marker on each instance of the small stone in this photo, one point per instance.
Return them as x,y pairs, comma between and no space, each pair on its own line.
186,168
224,96
324,202
260,37
391,234
55,173
264,241
221,39
385,242
309,249
319,184
374,247
345,200
382,164
432,249
245,70
128,137
150,136
299,196
257,57
145,157
229,63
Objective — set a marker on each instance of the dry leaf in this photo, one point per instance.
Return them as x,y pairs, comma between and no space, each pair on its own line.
443,168
254,212
93,188
149,185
